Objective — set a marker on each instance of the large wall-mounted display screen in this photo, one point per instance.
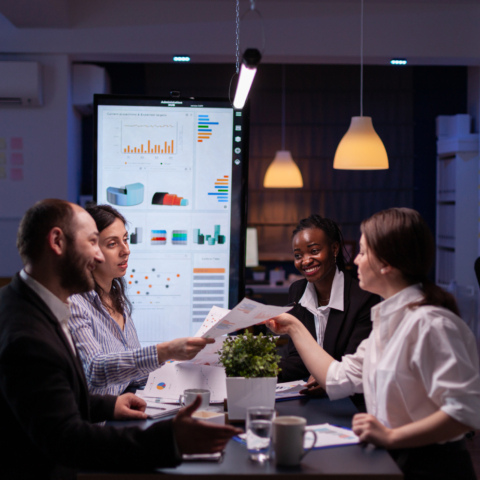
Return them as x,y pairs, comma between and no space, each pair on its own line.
176,169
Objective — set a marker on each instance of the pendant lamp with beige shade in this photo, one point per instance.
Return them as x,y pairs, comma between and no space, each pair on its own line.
361,148
283,172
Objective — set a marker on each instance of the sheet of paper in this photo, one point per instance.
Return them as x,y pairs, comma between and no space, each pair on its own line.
327,436
170,381
330,436
214,316
245,314
207,356
289,390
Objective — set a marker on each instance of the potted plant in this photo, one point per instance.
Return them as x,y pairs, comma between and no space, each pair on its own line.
251,366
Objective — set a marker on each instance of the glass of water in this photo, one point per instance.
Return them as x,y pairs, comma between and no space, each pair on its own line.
259,432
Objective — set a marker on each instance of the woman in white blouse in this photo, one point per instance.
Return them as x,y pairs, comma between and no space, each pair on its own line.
418,369
101,322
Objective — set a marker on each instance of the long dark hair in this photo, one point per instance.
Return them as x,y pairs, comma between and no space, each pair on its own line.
331,230
104,216
401,238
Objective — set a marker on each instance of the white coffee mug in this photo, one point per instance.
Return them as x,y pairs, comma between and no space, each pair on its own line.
288,438
190,395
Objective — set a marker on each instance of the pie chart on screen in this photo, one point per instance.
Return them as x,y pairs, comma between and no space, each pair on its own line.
161,386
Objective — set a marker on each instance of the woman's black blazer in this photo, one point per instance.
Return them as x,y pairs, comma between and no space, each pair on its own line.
345,330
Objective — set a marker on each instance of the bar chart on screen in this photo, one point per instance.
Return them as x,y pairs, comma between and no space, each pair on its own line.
210,287
157,136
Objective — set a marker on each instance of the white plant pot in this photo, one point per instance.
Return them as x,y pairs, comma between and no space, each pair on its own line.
243,393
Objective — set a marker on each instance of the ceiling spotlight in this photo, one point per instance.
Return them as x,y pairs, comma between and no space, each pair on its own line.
251,59
181,58
398,61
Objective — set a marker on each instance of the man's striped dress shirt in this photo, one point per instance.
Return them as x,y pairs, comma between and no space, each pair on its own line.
112,359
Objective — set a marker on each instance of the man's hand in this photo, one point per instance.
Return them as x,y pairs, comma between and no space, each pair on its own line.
181,348
195,436
129,406
370,430
313,389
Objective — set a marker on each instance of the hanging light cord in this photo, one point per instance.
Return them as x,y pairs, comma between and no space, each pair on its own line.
253,9
237,47
361,62
283,107
237,40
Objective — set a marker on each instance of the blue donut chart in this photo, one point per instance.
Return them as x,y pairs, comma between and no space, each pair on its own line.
127,196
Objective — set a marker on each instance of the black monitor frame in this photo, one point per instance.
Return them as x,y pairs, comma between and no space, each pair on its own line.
239,202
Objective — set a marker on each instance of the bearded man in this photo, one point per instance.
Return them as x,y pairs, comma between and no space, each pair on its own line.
47,416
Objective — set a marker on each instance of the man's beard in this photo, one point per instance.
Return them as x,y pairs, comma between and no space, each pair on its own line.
74,275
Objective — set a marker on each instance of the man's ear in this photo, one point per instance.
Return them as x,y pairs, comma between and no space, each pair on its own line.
56,241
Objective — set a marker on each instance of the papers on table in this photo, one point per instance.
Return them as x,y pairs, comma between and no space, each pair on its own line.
289,390
156,407
158,410
170,381
327,436
245,314
330,436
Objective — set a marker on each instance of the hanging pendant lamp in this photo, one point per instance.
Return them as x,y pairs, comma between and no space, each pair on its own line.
283,172
361,148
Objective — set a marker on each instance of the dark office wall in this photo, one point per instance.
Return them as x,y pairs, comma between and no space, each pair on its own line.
320,100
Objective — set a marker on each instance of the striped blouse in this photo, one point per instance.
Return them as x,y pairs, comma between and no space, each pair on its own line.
112,359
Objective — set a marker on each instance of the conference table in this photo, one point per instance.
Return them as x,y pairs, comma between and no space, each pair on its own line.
336,463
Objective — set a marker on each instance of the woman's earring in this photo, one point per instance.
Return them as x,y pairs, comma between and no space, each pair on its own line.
335,256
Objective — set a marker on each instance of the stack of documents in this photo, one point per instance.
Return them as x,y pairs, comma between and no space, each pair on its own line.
158,410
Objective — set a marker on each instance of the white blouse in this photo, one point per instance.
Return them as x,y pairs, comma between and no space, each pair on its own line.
415,362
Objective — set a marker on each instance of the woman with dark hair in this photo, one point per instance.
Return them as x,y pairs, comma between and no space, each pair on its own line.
101,323
328,302
418,369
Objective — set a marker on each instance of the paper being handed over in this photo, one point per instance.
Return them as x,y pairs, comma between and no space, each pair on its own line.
221,321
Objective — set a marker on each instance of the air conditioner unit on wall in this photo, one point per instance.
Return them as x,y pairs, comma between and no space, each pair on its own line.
21,84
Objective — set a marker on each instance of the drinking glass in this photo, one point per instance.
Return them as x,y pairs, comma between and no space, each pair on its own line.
259,432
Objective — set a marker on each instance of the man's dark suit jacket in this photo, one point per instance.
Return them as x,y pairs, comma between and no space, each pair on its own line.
345,330
46,412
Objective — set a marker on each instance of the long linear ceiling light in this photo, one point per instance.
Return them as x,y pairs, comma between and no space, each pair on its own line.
361,148
250,60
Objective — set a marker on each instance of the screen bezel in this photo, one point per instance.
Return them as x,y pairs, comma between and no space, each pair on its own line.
239,204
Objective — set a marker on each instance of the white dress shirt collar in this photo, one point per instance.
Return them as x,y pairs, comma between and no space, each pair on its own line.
388,315
60,310
309,299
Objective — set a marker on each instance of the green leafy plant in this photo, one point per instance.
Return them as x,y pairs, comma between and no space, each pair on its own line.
250,356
